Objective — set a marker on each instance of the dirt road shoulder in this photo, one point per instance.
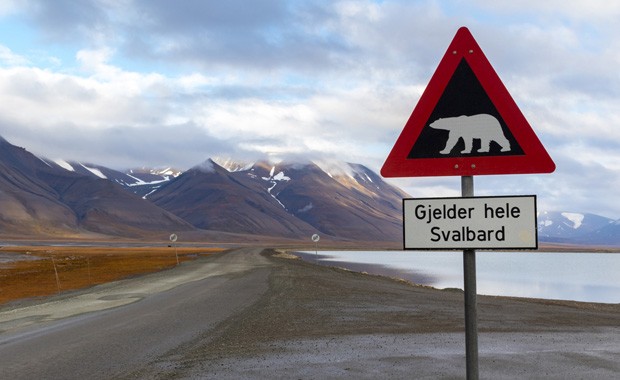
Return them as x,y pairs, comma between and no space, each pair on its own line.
321,322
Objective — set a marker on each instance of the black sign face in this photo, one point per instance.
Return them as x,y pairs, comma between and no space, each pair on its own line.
465,123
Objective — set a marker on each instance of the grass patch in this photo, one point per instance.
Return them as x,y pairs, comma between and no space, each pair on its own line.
50,270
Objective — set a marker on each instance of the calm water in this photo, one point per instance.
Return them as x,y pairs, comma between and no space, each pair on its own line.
591,277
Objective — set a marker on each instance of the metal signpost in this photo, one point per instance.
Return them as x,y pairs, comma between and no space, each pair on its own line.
173,239
315,239
470,294
466,124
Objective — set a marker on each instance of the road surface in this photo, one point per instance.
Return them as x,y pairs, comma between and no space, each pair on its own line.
252,314
116,328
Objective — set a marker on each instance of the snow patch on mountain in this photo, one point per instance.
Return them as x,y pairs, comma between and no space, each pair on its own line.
278,177
141,182
95,171
145,196
281,177
575,218
64,164
166,171
273,180
44,161
543,219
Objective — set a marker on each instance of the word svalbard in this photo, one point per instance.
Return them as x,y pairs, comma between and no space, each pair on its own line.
507,222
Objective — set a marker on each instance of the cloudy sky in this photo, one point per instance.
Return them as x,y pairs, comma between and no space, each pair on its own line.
127,83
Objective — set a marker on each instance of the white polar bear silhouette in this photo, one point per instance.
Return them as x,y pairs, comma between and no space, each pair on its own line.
482,126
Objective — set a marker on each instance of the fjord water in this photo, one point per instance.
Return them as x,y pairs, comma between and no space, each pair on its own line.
588,277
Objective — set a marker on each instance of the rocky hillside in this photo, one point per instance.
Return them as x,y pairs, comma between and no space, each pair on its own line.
57,198
41,198
286,199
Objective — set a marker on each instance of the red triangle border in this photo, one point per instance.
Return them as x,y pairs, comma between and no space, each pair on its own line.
535,158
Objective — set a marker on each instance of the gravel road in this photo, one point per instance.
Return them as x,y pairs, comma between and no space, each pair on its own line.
113,329
247,314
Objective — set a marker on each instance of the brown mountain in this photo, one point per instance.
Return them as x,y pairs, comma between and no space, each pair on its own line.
211,198
352,201
286,199
59,199
223,201
41,198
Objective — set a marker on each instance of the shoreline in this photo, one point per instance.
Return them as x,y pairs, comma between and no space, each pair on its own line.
319,321
416,279
422,278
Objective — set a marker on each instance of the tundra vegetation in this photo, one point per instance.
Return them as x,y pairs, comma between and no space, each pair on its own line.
44,271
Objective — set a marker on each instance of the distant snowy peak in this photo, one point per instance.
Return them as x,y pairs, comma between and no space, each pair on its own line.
132,177
562,225
353,176
78,167
162,172
168,171
577,219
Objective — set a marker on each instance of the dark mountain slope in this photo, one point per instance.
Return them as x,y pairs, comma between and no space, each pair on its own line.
288,200
42,198
32,211
209,197
338,204
557,226
607,235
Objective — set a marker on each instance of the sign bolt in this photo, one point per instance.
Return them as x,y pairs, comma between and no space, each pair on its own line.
473,166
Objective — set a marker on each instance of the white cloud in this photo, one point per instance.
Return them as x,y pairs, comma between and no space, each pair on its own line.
150,82
9,6
9,58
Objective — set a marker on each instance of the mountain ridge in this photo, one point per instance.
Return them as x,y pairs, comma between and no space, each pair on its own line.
67,198
223,197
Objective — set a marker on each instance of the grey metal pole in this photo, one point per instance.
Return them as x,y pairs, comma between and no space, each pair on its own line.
471,305
175,253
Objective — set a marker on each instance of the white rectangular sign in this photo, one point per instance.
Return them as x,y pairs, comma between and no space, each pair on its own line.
507,222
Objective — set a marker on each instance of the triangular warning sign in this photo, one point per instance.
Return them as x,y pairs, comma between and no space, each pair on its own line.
466,123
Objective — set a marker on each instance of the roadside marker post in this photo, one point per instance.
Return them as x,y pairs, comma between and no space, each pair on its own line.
315,239
173,239
466,124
